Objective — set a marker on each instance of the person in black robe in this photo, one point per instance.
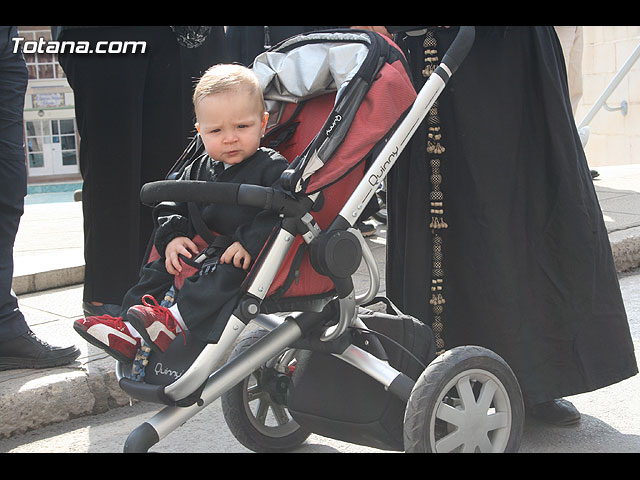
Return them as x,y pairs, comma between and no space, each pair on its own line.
495,234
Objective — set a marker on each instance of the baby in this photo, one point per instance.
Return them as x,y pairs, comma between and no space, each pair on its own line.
231,120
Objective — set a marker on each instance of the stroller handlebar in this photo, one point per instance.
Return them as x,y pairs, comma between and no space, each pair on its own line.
458,49
265,198
187,191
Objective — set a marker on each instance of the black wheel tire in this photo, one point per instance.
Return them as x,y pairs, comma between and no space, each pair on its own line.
466,400
267,427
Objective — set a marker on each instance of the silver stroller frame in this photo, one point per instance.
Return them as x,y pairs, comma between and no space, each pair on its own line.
285,331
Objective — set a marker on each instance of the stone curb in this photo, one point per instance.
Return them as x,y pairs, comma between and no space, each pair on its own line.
625,246
60,395
37,282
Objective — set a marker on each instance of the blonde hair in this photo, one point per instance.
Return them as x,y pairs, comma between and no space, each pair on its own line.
228,77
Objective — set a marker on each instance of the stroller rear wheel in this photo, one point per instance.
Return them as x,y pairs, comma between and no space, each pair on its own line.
255,409
466,400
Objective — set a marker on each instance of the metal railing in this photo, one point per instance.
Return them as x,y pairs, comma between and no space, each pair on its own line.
583,127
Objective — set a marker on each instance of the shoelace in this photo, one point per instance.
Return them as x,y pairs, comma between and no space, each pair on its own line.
40,341
117,322
170,322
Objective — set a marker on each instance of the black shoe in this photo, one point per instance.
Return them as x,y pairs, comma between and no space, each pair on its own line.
28,351
559,412
91,310
366,229
595,173
381,215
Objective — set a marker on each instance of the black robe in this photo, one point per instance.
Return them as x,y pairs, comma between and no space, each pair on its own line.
527,269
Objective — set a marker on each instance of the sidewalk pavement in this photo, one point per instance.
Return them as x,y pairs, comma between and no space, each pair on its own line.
48,276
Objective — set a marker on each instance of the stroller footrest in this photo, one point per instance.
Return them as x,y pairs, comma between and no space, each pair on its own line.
155,393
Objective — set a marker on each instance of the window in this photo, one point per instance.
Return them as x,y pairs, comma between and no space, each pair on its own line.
41,65
67,137
37,133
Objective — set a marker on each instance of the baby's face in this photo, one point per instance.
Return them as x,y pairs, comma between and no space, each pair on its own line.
230,125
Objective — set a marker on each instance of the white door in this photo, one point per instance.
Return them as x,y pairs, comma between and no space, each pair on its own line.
63,146
51,147
38,138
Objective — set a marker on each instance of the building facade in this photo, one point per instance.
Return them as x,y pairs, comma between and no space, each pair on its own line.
50,131
615,134
52,140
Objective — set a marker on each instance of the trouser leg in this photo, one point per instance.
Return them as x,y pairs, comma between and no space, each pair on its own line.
13,179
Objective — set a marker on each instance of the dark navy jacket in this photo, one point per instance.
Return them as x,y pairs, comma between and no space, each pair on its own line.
248,225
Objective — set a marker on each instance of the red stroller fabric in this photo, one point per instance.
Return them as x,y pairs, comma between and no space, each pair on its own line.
389,97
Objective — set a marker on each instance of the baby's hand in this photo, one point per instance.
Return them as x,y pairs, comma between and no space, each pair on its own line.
179,245
237,255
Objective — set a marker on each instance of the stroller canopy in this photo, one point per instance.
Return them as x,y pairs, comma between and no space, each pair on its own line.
369,78
303,68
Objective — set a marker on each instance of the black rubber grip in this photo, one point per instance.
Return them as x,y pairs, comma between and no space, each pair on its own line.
188,191
207,192
459,48
246,195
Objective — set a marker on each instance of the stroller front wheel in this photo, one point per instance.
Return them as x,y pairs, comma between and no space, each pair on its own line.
255,409
466,400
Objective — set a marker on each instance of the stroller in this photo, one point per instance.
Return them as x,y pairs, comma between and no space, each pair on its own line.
308,354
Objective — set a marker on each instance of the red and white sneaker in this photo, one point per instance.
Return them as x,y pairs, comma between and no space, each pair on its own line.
155,323
110,334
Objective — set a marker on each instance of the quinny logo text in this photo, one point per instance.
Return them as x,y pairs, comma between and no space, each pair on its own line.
376,179
52,46
160,370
